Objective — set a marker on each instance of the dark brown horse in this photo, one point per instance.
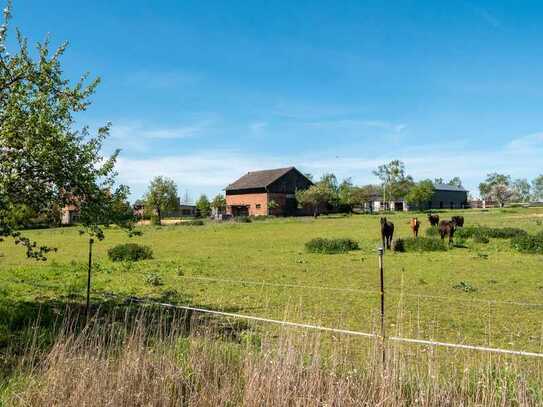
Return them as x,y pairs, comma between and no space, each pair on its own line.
458,220
447,228
387,233
433,219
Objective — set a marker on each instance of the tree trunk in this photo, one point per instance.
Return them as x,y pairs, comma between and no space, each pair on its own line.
159,215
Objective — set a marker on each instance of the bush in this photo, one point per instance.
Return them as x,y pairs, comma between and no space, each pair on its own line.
423,244
331,246
528,243
153,220
432,231
484,231
130,252
398,245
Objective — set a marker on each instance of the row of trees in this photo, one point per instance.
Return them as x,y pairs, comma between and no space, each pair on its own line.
162,197
396,184
502,189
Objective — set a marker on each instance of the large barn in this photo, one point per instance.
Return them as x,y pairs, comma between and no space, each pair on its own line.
267,192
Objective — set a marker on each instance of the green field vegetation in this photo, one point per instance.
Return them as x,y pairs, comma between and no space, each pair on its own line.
187,261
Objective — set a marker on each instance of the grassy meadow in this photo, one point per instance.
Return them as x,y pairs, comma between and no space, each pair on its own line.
261,268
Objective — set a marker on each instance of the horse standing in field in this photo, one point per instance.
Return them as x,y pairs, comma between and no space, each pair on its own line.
433,219
387,232
458,220
414,224
447,228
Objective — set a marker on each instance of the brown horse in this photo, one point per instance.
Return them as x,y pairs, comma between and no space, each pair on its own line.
387,233
447,228
458,220
433,219
414,224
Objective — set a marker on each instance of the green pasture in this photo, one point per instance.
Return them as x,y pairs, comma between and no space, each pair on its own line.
453,296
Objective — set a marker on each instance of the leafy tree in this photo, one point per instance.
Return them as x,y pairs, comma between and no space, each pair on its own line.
537,188
346,194
315,196
162,196
521,190
45,163
329,183
497,187
219,203
420,194
203,206
364,194
439,181
272,204
396,184
456,181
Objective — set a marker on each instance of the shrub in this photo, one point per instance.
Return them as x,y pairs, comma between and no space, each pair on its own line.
496,233
153,279
528,243
432,231
130,252
505,233
330,246
423,244
467,232
398,245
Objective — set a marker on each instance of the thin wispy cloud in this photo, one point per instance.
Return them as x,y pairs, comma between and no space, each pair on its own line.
211,170
137,130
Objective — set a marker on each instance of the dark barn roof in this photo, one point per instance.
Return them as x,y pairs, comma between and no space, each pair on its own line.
259,179
447,187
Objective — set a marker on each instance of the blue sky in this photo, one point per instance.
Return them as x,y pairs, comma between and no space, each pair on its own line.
203,91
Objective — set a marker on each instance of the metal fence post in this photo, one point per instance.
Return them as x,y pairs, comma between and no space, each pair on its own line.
380,252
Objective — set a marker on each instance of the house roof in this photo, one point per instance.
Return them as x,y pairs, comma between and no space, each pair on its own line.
447,187
259,179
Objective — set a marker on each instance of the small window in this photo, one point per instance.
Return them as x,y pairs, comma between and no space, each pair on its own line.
258,206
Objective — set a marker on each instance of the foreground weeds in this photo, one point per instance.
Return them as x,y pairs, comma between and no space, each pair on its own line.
152,361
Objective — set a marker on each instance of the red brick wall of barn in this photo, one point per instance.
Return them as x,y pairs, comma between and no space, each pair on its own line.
257,203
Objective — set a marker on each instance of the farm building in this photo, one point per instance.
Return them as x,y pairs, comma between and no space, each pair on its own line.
445,197
268,192
449,197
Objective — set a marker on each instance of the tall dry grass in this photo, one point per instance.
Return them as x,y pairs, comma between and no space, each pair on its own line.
149,361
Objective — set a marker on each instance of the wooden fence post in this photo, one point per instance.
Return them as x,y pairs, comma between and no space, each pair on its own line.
380,252
87,311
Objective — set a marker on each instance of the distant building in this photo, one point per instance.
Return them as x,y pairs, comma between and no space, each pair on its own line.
268,192
445,197
70,215
449,197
